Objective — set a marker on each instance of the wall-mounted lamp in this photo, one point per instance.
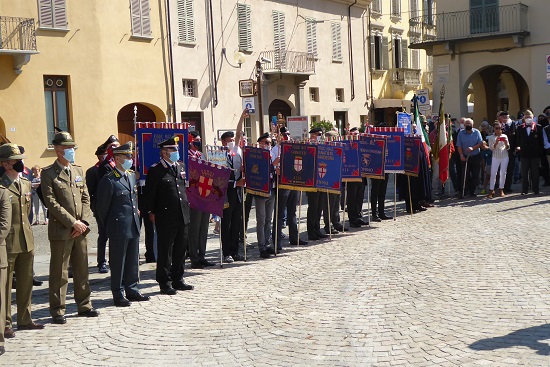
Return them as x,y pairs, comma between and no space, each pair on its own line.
238,58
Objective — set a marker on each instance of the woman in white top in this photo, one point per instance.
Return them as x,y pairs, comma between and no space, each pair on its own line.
499,144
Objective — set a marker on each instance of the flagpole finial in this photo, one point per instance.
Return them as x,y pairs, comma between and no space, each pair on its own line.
442,93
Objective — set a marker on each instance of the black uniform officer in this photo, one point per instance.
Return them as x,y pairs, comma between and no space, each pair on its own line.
167,205
117,210
315,201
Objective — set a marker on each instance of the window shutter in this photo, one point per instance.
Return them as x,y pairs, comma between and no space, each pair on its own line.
279,40
385,54
186,21
145,18
376,6
404,53
414,8
135,11
311,31
245,33
59,14
45,13
395,7
372,53
430,63
414,59
336,29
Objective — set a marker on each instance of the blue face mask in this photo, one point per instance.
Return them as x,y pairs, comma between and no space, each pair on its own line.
68,154
127,164
174,156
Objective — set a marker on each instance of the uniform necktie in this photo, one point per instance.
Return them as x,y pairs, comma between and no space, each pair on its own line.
174,170
17,186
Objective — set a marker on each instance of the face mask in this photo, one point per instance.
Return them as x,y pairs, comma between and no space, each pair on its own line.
528,121
231,145
468,128
127,164
318,137
462,126
197,145
18,166
68,154
174,156
547,114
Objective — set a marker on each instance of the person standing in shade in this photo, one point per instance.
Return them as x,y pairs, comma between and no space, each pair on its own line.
68,202
5,225
117,210
315,200
529,146
20,240
168,209
355,197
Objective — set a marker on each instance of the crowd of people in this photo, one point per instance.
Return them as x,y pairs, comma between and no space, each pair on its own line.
121,203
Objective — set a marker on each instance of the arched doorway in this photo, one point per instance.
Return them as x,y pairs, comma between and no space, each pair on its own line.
125,120
495,88
279,106
3,138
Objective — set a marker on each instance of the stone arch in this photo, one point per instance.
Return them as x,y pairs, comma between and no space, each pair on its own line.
146,112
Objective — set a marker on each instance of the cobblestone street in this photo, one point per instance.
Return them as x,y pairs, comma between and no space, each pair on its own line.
463,284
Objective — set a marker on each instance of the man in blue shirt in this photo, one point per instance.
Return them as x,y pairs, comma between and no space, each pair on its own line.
468,143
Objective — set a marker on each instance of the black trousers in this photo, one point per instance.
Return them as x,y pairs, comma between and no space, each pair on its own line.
315,206
334,201
378,196
530,174
124,263
288,199
356,194
149,230
172,242
472,175
198,235
510,171
101,244
232,222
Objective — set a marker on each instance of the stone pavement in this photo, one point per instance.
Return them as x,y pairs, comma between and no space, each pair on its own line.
463,284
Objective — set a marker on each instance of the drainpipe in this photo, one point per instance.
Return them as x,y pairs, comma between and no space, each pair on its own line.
213,55
350,47
371,105
171,63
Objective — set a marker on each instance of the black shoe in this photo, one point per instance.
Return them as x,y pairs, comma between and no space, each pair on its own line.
321,235
419,209
122,302
362,222
36,282
168,290
59,319
385,217
182,286
300,243
92,312
270,250
138,297
238,257
103,269
197,265
207,263
338,227
355,225
331,230
2,350
474,195
264,255
314,238
376,219
150,260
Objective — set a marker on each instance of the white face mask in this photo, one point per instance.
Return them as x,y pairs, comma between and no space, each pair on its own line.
528,120
462,126
231,145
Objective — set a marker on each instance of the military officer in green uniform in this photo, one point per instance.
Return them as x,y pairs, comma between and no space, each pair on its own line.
5,224
20,241
116,209
66,197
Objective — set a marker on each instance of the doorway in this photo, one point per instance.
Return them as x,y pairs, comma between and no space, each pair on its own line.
125,120
340,118
279,106
194,120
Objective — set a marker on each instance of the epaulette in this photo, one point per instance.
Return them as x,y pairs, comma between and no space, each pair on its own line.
75,165
24,178
154,165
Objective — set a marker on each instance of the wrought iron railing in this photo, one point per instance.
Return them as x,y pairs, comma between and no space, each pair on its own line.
288,61
506,19
405,76
17,34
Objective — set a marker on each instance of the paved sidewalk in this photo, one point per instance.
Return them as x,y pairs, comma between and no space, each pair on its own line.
463,284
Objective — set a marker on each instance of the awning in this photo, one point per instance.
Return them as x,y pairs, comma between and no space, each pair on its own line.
392,103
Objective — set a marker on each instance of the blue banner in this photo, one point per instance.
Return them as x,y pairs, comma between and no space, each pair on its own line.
412,154
148,152
257,171
395,147
329,168
404,121
350,165
372,153
298,167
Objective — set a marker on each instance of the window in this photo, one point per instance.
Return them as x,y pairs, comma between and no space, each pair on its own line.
311,33
427,12
141,20
336,29
52,14
245,31
415,59
484,16
56,96
379,52
314,94
377,6
315,118
414,8
396,8
430,63
248,129
189,87
400,53
279,39
186,22
339,94
364,120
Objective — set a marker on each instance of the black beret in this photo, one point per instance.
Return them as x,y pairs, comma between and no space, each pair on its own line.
227,134
546,108
353,129
316,130
110,140
382,124
100,150
283,130
170,143
263,136
503,113
194,134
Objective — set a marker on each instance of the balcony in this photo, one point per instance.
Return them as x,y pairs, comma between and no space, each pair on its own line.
18,39
287,62
405,78
471,25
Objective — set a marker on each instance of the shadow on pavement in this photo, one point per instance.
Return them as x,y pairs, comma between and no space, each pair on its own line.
529,337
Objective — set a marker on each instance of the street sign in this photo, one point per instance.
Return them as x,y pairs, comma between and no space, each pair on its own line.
249,103
423,97
246,88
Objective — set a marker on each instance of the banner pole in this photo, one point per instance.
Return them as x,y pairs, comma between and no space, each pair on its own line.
221,247
368,201
345,206
394,197
410,197
329,222
244,224
299,218
276,219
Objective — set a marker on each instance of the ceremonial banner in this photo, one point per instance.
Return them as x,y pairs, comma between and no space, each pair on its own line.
395,147
412,154
217,155
404,121
148,151
257,164
329,168
372,154
207,186
350,165
298,167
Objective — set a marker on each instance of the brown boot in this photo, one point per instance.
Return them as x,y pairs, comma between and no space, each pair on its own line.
491,194
502,193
